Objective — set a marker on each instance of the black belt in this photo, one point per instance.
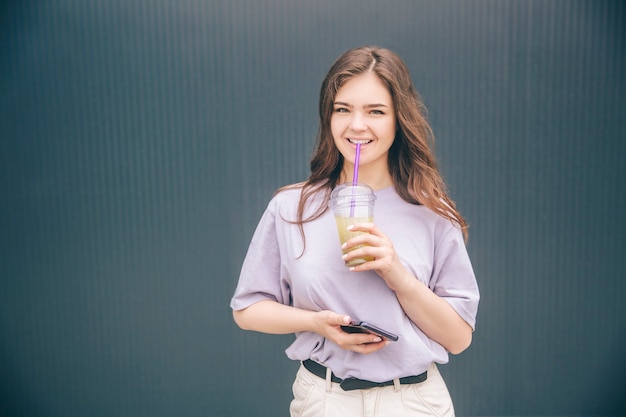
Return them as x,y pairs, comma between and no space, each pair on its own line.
350,384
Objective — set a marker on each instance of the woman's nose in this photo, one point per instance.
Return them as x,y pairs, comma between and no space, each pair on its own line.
357,123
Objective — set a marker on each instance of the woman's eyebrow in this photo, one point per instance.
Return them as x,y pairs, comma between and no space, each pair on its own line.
367,106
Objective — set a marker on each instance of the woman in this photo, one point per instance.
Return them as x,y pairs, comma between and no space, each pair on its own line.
420,284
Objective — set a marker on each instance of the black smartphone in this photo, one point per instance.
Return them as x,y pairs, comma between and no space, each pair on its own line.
364,327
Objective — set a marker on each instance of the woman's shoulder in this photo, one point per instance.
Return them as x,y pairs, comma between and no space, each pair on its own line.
290,187
288,192
285,197
297,190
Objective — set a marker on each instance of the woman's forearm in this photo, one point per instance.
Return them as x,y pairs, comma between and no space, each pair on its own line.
272,317
434,316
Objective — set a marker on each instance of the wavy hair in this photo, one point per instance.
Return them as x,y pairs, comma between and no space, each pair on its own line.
411,161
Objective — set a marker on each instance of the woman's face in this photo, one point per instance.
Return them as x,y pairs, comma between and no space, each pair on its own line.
363,113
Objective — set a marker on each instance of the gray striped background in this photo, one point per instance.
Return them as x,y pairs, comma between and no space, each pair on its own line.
141,140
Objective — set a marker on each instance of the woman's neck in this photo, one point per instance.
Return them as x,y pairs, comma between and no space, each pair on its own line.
375,179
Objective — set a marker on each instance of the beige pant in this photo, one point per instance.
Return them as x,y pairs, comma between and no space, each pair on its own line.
316,397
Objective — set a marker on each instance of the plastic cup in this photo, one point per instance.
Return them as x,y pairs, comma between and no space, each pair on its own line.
352,203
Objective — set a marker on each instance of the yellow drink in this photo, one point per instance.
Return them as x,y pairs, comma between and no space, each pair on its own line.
352,203
345,235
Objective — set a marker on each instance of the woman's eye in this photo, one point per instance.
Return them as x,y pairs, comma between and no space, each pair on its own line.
341,110
377,112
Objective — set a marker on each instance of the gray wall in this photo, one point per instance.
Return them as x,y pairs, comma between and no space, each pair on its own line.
141,140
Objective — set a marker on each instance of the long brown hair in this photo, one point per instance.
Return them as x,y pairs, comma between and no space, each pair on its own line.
411,161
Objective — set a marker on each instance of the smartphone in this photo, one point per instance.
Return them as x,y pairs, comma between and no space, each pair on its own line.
356,326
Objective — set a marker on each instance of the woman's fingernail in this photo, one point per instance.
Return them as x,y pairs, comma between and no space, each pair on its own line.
350,227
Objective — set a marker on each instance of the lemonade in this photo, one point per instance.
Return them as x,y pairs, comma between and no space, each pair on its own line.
352,203
345,235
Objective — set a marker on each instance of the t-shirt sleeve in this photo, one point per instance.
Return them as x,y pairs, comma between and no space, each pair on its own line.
453,277
260,276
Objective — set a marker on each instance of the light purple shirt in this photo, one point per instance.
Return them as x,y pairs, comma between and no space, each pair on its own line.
428,245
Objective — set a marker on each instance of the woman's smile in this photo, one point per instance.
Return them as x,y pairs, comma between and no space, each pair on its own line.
361,142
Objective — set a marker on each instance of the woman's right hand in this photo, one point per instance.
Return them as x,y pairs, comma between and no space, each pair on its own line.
328,324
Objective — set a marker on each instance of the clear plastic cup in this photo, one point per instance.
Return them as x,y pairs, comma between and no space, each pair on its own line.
352,204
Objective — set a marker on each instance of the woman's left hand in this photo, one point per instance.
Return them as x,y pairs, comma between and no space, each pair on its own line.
378,246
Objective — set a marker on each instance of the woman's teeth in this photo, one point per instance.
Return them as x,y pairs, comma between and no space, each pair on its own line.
359,141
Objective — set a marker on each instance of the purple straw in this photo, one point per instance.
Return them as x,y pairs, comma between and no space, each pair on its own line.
355,176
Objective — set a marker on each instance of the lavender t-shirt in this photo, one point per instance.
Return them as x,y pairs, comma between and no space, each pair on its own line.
428,245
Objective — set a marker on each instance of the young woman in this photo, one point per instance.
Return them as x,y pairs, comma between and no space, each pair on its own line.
420,284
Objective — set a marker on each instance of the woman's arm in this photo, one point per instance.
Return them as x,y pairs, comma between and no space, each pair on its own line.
431,313
272,317
275,318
